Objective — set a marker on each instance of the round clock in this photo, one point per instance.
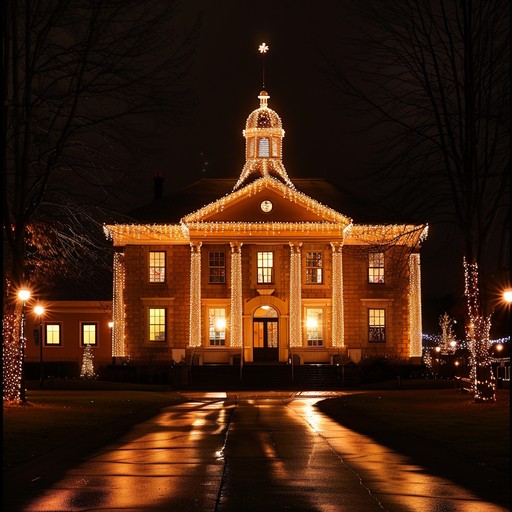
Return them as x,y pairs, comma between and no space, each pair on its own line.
266,206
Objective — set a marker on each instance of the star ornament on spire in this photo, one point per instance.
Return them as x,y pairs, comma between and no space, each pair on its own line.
263,48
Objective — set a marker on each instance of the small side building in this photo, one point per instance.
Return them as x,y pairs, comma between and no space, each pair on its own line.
59,337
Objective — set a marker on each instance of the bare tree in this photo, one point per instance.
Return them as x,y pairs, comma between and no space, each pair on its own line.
435,76
80,80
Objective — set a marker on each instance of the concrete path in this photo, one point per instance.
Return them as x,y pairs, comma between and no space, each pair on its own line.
250,451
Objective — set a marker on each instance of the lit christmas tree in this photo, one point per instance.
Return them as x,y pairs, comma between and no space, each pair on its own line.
87,364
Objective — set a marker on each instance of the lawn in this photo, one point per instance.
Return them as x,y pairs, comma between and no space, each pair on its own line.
441,417
58,418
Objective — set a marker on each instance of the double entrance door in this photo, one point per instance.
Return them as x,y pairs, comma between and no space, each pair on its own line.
265,339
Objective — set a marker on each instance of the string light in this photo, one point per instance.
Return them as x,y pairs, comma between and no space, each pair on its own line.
12,356
118,307
195,295
415,305
478,335
87,371
295,295
236,295
338,335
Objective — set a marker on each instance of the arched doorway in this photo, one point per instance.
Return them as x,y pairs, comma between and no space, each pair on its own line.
265,331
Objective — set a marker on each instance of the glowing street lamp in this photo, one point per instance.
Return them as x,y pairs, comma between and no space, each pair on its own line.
39,311
24,296
507,296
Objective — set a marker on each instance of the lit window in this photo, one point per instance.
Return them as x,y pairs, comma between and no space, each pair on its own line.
314,268
157,324
314,327
376,267
263,148
89,334
265,267
217,266
157,267
53,334
376,325
217,326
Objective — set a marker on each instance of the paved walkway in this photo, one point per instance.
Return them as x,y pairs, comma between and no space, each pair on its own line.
272,451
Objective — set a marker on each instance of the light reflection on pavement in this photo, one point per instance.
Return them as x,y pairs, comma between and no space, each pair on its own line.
249,451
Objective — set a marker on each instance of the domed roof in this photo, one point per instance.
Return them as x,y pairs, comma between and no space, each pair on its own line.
263,149
263,117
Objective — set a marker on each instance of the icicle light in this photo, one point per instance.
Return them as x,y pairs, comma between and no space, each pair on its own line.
118,307
195,295
295,295
415,305
236,295
337,296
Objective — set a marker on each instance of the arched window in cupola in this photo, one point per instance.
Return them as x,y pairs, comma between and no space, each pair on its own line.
263,147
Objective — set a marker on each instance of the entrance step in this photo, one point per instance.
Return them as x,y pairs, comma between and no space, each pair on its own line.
271,376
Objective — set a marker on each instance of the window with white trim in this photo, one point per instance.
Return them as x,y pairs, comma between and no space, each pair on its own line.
89,334
53,335
314,274
157,324
377,325
376,268
265,267
217,326
263,147
314,327
157,266
217,267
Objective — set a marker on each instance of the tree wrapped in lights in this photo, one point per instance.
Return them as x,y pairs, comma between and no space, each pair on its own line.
75,80
478,331
87,371
12,356
436,78
447,340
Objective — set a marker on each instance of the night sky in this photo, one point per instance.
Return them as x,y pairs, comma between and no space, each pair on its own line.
321,139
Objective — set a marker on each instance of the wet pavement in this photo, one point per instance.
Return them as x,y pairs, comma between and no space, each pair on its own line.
250,451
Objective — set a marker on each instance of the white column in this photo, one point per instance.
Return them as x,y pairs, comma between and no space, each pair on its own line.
236,331
195,294
337,311
295,295
118,341
415,305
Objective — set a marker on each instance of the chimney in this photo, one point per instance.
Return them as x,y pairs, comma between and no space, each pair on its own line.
158,182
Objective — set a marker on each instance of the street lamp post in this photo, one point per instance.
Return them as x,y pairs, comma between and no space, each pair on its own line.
39,311
24,296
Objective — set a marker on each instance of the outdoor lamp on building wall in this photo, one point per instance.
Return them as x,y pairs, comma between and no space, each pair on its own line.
39,311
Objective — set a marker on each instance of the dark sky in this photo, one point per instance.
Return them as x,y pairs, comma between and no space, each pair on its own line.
321,139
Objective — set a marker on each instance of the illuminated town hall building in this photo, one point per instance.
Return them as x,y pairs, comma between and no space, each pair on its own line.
264,272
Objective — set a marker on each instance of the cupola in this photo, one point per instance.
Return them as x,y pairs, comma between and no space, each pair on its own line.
263,145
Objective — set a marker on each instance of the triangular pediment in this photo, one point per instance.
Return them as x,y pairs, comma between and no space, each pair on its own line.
266,200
